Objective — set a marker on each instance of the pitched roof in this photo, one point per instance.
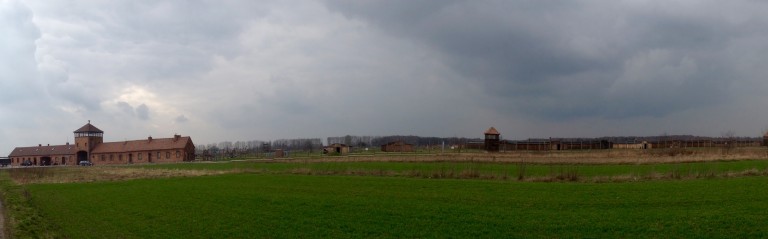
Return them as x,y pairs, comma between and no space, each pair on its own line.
88,128
43,150
492,130
398,142
143,145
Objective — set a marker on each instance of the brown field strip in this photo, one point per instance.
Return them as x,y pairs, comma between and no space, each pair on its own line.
613,156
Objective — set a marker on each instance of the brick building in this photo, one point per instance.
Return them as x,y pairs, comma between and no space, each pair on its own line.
90,146
397,146
340,149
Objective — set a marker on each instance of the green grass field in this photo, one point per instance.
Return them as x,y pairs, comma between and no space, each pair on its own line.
306,198
481,169
290,206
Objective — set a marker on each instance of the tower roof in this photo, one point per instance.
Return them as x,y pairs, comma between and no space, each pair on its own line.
88,128
492,130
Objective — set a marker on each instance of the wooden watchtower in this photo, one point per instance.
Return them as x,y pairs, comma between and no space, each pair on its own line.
492,140
765,139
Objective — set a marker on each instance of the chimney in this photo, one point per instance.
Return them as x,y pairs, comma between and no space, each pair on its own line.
67,143
176,137
149,138
39,145
49,144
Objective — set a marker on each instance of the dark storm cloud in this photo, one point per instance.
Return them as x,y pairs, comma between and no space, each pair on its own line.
18,74
180,119
142,111
565,59
229,70
150,41
125,108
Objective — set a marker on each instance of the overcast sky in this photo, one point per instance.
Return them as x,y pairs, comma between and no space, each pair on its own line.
244,70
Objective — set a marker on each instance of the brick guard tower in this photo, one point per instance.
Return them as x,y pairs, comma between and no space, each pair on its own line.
86,138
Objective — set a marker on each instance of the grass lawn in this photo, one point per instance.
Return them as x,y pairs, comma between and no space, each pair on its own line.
479,169
291,206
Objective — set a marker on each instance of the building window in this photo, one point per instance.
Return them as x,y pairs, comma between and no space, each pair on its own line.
111,157
167,155
119,157
178,154
139,155
158,155
102,157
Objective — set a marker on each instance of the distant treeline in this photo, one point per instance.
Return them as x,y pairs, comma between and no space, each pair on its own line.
661,138
316,144
375,141
259,146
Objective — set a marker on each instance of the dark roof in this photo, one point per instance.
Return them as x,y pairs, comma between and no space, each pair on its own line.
109,147
627,141
523,142
581,140
399,142
492,130
88,128
143,145
43,150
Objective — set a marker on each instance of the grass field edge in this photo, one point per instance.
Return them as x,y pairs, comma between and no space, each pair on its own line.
22,219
